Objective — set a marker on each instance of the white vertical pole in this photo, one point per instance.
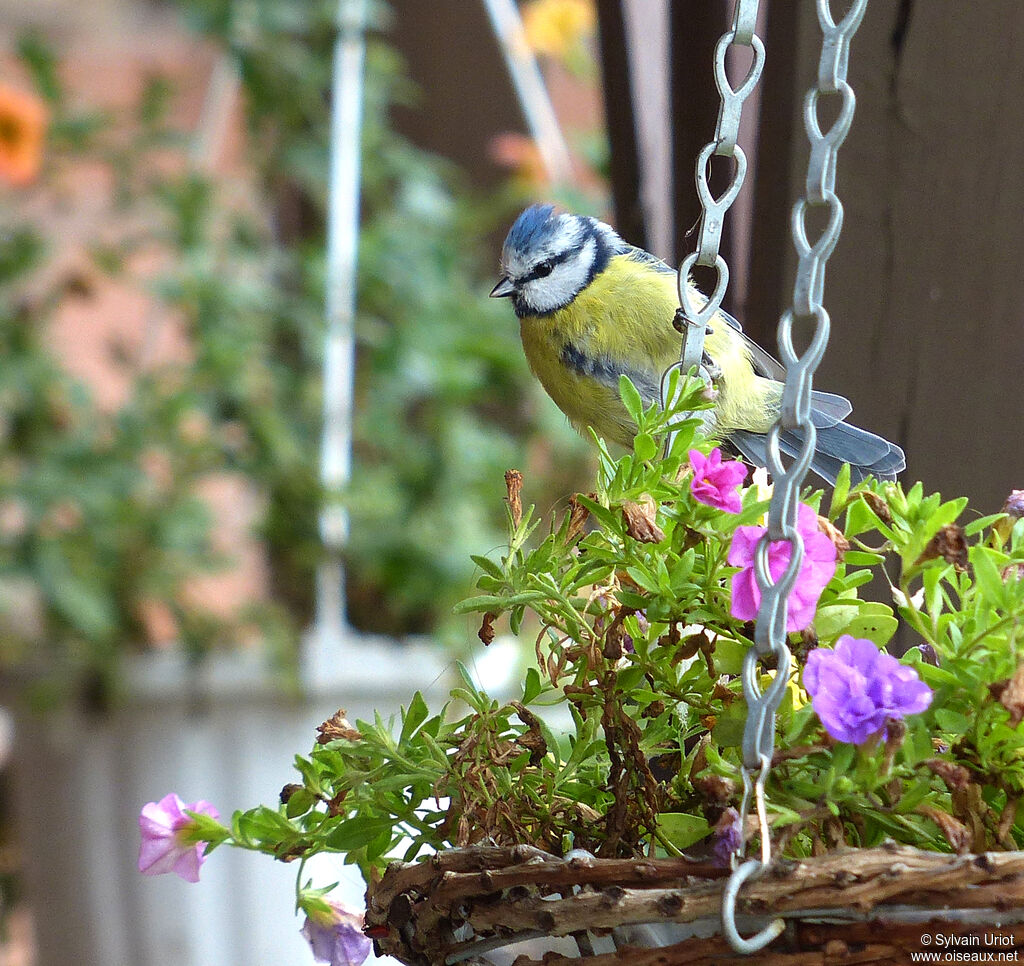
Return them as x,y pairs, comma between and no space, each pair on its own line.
529,84
339,354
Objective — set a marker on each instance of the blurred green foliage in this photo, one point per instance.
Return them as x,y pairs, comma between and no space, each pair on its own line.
101,509
444,401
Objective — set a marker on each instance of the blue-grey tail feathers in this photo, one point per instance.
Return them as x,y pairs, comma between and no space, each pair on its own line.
837,443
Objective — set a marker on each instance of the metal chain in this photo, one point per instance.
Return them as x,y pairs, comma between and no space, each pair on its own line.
795,414
692,320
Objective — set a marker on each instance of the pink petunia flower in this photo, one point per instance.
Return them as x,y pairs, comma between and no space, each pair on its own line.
165,846
336,936
816,570
856,688
716,483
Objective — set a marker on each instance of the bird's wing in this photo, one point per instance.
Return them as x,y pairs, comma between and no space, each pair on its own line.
828,408
764,363
646,258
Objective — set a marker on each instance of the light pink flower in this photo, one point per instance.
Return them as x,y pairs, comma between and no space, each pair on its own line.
336,936
165,846
716,483
816,570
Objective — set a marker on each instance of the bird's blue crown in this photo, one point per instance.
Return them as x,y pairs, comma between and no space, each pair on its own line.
531,228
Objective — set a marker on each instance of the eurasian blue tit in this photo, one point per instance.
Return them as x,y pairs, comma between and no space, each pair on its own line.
592,308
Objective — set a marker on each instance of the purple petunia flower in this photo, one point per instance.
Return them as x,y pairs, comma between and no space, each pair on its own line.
728,838
856,688
165,847
716,483
336,936
816,570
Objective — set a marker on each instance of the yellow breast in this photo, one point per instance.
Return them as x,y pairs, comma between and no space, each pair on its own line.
622,322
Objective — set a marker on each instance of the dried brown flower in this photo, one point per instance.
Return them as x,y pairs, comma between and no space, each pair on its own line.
715,788
640,519
486,632
878,506
335,728
514,485
578,516
834,534
533,738
1010,694
955,776
950,543
957,834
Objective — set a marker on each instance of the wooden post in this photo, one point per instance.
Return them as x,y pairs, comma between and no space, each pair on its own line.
616,76
925,288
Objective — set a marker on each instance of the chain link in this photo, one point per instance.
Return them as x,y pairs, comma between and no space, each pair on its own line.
692,319
795,413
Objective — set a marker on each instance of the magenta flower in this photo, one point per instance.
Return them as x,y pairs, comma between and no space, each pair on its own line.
165,846
336,936
716,483
856,688
816,570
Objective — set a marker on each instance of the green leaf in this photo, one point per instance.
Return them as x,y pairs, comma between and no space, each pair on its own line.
681,829
644,447
414,717
728,729
300,802
354,833
38,57
601,513
840,492
631,398
728,656
952,721
488,566
481,603
532,686
987,576
832,619
630,677
862,558
875,622
976,526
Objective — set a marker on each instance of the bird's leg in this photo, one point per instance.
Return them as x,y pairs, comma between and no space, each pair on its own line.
711,367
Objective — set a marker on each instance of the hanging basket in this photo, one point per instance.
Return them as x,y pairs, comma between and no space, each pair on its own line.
879,905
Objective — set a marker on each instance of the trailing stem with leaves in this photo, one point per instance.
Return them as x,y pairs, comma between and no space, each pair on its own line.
625,739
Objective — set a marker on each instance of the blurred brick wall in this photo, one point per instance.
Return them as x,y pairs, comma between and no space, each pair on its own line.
108,50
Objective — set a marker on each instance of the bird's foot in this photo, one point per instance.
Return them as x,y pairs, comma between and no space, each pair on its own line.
713,370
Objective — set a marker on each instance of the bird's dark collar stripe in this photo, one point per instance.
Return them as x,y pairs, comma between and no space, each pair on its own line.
607,371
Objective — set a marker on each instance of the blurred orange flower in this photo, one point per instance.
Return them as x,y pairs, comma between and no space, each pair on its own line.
521,154
23,120
555,27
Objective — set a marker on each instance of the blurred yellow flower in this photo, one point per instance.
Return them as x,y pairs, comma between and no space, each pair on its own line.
23,119
555,27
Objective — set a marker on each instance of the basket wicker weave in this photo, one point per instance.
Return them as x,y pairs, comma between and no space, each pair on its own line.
850,906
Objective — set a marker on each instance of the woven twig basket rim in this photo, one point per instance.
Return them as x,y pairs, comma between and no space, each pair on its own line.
460,904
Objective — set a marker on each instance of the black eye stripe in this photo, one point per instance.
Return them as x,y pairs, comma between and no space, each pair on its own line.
544,268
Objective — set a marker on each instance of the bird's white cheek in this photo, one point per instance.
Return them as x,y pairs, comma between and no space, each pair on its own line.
563,284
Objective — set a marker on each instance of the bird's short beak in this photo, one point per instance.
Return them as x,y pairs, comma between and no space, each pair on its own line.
503,289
